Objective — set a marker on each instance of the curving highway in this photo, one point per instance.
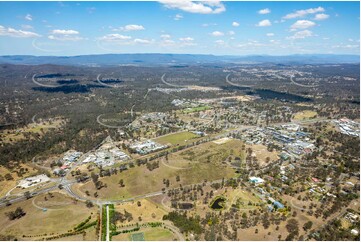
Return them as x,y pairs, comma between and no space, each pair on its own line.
302,85
104,84
41,84
234,84
170,84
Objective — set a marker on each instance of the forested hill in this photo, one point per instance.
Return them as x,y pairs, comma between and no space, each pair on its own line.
174,59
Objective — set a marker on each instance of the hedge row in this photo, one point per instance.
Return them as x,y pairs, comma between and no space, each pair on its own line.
82,223
87,226
113,233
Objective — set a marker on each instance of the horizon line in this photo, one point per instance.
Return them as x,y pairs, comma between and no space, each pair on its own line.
157,53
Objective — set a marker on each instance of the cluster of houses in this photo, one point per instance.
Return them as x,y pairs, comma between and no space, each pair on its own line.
170,90
32,181
67,161
253,136
158,116
353,219
70,157
289,136
146,147
106,155
318,189
283,170
185,103
348,127
265,196
300,147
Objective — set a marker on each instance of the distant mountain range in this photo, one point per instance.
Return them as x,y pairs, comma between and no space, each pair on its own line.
175,59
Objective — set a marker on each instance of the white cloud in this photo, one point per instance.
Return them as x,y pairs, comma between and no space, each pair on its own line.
301,13
28,17
17,33
165,36
64,32
186,39
264,11
209,7
302,24
207,25
115,37
270,34
133,27
142,41
321,16
217,33
231,32
235,24
301,34
65,37
251,43
264,23
167,42
178,17
220,42
129,27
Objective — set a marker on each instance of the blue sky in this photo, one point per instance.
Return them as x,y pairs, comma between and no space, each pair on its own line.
168,26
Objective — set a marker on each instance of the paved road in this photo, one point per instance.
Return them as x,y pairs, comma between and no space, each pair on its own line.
170,84
105,84
107,125
302,85
234,84
4,201
174,229
107,238
41,84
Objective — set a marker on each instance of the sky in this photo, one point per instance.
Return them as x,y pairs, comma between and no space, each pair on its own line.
169,26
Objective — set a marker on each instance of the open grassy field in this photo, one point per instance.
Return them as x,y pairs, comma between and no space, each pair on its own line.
203,162
13,135
158,234
148,211
62,215
306,114
178,138
244,200
261,153
209,152
150,234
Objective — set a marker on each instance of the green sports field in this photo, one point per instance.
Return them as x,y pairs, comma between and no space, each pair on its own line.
138,237
178,138
196,109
